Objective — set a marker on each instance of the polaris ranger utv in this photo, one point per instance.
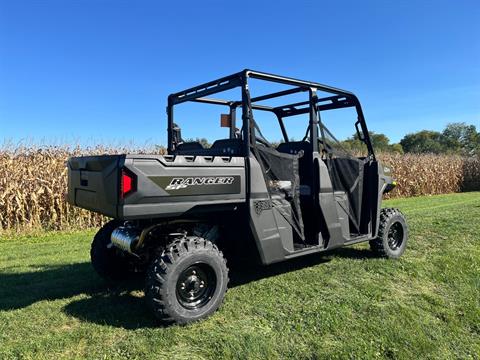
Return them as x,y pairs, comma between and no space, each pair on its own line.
175,215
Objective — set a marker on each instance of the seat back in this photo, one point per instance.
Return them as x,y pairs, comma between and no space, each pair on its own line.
187,148
222,147
227,147
305,162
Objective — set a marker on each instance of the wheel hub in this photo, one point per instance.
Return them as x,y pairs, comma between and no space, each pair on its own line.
395,236
195,286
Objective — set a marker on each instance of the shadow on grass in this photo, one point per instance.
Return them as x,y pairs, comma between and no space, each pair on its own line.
119,305
242,273
123,305
121,308
19,290
353,253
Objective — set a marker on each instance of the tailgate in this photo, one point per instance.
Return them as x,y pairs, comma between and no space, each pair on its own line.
93,182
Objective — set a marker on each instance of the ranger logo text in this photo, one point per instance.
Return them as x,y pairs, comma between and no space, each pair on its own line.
182,183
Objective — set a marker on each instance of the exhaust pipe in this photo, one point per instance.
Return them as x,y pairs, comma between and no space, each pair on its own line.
125,238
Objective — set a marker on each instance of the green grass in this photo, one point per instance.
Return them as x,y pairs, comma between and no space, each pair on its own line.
343,304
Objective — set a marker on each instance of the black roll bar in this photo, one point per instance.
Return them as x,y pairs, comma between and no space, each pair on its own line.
341,99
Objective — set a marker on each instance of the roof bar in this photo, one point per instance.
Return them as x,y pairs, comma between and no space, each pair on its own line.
213,101
333,99
278,94
286,111
292,81
225,83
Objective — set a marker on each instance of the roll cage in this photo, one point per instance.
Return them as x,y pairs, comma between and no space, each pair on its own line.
313,106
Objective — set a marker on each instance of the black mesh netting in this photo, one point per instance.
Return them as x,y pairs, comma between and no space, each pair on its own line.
283,184
346,173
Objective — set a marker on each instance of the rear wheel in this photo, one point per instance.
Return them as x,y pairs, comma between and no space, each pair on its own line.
392,234
187,282
108,261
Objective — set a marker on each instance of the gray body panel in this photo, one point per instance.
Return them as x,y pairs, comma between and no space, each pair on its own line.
265,229
206,181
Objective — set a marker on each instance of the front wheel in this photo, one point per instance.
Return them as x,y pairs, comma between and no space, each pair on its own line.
187,282
392,234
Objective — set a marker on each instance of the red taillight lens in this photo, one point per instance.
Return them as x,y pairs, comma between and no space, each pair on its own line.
127,183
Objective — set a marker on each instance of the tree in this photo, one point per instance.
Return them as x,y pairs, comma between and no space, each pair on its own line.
380,143
456,138
354,145
424,141
396,148
461,138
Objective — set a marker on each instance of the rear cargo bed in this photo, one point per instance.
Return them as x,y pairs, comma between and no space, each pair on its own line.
161,186
93,182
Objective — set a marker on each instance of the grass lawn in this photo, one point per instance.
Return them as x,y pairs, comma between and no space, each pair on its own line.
342,304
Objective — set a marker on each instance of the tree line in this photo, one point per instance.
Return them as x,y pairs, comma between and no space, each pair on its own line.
457,138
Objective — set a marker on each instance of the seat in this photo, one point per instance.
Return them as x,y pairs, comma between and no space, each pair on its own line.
186,148
222,147
293,147
305,161
227,147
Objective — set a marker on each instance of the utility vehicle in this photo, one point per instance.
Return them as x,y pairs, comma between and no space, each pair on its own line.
176,215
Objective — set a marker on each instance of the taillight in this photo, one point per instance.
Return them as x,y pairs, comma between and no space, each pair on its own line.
127,183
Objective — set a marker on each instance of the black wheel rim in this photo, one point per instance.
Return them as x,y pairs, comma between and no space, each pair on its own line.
395,236
196,285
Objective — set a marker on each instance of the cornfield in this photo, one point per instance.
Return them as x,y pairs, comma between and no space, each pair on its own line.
426,174
33,183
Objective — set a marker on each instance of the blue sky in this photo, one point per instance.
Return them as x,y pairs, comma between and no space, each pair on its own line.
100,71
